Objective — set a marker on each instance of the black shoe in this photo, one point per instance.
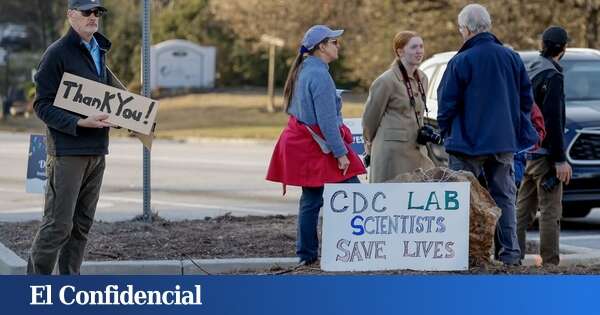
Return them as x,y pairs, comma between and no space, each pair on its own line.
512,264
307,262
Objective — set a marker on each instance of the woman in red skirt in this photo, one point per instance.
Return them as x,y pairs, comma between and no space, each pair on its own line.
314,148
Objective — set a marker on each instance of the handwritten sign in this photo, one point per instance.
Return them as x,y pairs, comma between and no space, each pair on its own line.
418,226
36,165
88,97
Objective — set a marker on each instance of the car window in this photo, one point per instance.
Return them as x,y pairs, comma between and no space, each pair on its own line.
582,79
434,85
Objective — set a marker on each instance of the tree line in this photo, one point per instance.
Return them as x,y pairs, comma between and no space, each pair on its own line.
235,27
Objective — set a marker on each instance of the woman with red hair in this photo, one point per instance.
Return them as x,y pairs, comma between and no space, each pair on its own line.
394,113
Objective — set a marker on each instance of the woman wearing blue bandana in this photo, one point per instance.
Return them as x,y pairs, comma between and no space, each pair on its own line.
314,148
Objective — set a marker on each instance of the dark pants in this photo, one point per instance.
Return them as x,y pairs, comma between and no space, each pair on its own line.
71,197
499,176
311,201
533,197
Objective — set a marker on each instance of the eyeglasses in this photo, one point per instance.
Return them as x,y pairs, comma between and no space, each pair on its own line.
334,41
96,12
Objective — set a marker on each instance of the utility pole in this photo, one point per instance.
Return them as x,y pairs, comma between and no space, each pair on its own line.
146,92
273,42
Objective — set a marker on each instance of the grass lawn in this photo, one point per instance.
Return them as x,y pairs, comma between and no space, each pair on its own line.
239,113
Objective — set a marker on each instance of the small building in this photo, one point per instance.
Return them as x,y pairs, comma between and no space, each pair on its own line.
180,63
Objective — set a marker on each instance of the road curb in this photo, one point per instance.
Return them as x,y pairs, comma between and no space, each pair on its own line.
12,264
236,265
573,255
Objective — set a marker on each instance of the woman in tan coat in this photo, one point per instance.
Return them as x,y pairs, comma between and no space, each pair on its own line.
389,122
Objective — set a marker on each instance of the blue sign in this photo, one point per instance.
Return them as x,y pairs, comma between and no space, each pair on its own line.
36,165
355,126
290,295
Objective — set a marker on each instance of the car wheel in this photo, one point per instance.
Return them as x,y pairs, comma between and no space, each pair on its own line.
576,212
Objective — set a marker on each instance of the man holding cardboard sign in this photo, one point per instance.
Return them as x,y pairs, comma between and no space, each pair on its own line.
76,144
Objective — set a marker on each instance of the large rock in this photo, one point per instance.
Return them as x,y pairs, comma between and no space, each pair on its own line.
484,212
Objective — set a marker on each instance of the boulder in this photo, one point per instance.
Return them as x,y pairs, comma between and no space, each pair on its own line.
483,215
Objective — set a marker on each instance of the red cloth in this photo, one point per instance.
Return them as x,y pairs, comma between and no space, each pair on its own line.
298,160
537,119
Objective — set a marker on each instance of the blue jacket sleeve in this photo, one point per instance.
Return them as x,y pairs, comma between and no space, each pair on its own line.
450,95
47,81
525,93
324,100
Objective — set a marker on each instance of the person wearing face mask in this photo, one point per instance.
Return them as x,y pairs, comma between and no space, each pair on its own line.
484,110
394,113
314,148
76,145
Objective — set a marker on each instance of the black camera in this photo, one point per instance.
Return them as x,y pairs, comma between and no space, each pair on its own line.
550,181
428,133
367,160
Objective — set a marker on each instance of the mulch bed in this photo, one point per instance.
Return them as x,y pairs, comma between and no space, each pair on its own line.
222,237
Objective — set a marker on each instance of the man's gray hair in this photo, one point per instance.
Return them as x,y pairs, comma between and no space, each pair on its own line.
475,18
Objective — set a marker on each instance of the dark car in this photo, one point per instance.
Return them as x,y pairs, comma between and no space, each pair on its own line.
582,132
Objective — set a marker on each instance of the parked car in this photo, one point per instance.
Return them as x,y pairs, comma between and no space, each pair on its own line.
582,132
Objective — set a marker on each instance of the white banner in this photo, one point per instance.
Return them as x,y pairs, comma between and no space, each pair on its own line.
88,97
418,226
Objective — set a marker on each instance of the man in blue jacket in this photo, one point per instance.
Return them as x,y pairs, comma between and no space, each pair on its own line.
484,101
76,144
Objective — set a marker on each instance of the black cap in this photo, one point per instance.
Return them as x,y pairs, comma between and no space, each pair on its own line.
556,35
85,4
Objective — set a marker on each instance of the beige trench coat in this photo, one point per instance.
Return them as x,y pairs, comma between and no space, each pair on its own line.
390,127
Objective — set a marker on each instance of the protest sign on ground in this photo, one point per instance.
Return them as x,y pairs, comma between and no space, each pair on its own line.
355,126
419,226
36,165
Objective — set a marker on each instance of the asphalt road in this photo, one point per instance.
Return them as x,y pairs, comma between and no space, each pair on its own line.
191,180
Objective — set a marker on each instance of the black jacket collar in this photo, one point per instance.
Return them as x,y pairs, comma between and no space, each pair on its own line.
73,38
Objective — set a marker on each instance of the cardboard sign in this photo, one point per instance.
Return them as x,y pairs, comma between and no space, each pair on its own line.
355,126
418,226
88,97
36,165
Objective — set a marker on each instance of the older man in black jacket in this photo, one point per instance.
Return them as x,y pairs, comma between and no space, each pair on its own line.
76,144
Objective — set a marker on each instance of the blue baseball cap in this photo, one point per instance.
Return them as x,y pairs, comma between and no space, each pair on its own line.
318,33
85,4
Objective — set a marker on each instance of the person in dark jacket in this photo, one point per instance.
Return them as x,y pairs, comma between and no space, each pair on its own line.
76,144
484,103
547,167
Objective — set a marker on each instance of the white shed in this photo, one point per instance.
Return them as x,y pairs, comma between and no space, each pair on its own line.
180,63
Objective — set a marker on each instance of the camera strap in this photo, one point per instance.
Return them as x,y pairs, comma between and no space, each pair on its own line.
409,90
411,96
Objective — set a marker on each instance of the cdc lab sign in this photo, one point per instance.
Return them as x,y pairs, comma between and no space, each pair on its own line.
389,226
355,126
36,165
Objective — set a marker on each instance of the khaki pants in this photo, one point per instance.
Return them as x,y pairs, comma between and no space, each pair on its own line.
71,197
533,197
